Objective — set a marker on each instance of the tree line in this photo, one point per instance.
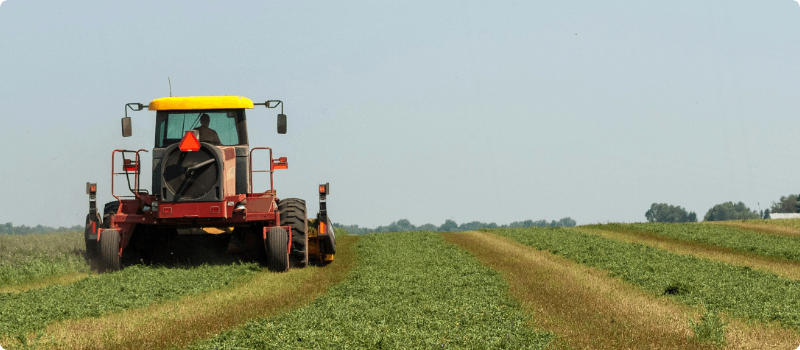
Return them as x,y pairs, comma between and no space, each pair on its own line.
9,229
451,226
663,212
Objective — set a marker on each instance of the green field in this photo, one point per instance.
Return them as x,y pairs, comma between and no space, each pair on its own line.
396,290
410,290
741,291
26,258
719,235
132,287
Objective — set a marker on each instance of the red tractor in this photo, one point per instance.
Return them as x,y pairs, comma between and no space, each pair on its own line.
202,194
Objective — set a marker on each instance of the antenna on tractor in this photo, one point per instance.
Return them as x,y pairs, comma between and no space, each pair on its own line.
170,87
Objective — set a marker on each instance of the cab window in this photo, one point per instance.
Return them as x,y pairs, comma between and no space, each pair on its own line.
171,126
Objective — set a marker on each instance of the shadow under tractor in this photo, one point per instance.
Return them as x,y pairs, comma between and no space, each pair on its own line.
202,203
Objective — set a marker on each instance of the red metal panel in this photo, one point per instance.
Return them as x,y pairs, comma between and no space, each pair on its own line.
194,210
259,205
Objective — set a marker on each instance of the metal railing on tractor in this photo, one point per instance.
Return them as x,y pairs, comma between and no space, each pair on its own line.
129,166
279,163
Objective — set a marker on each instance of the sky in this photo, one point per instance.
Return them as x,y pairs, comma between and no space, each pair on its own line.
491,111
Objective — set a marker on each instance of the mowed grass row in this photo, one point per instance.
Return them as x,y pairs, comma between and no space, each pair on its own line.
793,224
31,257
739,291
176,323
133,287
408,290
718,235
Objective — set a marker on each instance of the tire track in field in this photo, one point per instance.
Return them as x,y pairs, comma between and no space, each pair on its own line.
781,267
587,309
177,323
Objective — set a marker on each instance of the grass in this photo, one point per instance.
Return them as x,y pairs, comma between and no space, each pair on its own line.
719,235
788,227
709,328
408,290
584,307
201,316
778,266
134,287
738,291
27,258
791,223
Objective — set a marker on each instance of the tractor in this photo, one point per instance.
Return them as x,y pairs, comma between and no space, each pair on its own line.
202,194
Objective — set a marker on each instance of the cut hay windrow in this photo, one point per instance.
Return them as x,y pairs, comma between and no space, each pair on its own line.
719,235
409,290
738,291
176,323
582,306
133,287
779,266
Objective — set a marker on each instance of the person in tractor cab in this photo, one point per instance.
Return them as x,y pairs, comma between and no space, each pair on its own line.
207,134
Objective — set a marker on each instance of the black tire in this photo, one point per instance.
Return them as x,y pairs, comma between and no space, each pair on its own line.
109,209
91,244
293,213
109,251
277,247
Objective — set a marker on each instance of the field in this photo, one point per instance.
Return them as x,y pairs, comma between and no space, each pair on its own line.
616,286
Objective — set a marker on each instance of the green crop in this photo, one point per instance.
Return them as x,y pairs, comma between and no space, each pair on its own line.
25,258
793,223
740,291
719,235
409,290
133,287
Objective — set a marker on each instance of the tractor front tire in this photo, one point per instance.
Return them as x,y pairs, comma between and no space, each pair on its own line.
109,251
294,214
109,260
277,246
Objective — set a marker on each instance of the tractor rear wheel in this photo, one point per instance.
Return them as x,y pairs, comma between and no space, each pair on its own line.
109,251
277,247
293,213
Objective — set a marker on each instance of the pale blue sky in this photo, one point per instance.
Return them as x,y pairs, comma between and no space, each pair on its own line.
489,111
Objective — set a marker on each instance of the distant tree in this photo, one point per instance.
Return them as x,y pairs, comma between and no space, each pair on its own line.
730,211
448,226
428,227
401,225
471,226
663,212
785,205
766,214
566,222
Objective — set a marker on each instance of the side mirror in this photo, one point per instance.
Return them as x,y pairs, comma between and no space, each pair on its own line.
281,123
126,127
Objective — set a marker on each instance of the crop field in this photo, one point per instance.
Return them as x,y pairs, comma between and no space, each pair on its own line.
34,257
522,288
726,236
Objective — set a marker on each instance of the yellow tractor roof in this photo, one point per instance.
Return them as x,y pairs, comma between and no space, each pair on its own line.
200,102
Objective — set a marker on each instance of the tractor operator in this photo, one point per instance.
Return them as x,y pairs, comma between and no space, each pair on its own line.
207,134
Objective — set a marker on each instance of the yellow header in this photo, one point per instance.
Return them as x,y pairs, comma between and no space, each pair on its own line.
200,102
